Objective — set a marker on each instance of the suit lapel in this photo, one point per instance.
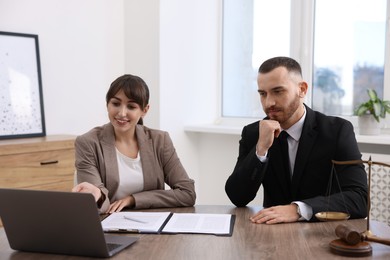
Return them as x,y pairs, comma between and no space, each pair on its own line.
111,173
306,143
145,146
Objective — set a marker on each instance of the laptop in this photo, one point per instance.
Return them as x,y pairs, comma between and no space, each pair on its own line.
58,223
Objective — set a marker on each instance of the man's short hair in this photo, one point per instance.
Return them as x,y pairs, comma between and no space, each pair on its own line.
290,64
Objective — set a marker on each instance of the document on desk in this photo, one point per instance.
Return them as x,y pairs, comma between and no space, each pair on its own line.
216,224
138,222
167,222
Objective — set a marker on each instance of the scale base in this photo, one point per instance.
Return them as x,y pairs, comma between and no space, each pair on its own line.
332,216
340,247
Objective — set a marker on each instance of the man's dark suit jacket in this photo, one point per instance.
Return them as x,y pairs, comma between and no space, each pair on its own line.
324,138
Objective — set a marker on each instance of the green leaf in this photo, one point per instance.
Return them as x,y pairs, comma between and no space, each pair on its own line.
377,109
361,110
374,106
372,94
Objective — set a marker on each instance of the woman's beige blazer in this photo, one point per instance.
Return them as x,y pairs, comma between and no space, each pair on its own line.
96,163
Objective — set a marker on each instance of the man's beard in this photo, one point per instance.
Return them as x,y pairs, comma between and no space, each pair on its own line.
286,112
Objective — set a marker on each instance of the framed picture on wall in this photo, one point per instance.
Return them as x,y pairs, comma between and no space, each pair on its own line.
21,99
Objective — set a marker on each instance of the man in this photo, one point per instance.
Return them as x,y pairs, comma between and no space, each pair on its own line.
296,183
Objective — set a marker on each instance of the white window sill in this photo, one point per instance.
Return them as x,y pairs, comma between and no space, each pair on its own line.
382,139
214,129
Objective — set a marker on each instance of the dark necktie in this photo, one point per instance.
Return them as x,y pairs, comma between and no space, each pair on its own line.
284,147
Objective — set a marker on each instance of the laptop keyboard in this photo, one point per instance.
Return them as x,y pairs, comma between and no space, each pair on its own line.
112,246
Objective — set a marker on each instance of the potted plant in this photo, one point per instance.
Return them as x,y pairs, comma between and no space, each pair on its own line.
370,112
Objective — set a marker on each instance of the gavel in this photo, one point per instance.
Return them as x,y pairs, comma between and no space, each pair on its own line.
353,237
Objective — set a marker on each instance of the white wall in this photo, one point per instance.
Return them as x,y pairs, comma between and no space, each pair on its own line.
81,51
189,52
142,50
173,45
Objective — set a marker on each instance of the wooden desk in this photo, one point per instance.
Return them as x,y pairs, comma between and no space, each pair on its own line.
249,241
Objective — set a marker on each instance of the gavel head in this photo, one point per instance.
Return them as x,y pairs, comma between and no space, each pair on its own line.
349,236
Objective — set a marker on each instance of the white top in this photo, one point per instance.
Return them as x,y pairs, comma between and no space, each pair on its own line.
131,178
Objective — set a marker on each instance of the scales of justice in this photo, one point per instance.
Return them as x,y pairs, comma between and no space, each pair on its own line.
352,242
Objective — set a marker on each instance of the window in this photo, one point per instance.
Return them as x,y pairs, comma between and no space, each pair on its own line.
349,53
339,43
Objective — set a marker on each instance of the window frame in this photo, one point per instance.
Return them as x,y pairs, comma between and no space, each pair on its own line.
301,49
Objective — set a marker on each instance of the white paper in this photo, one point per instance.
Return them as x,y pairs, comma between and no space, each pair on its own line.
134,221
199,223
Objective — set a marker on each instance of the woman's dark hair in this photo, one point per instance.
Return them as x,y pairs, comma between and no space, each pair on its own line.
134,88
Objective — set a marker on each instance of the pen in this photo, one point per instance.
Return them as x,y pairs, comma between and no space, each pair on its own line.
123,230
135,220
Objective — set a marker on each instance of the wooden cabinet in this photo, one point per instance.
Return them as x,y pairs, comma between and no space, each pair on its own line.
40,163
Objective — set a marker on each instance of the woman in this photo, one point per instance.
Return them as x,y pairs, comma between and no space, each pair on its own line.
125,164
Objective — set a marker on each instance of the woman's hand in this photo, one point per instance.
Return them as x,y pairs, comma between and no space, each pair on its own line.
122,203
87,187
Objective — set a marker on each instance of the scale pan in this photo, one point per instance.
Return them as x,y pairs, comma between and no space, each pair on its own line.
332,216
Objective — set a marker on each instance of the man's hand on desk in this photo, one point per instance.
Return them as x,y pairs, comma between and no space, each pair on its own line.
276,214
